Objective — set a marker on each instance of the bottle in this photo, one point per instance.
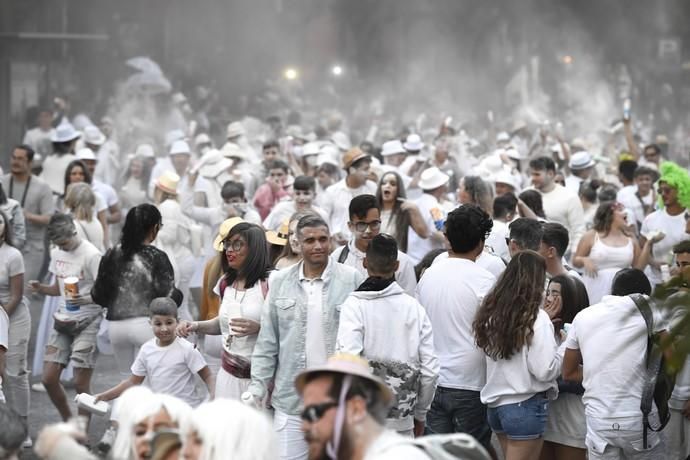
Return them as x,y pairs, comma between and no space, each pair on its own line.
665,273
626,109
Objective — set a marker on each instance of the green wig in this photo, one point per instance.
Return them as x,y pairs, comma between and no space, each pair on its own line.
678,178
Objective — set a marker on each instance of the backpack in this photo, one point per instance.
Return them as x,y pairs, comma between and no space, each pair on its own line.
451,447
659,380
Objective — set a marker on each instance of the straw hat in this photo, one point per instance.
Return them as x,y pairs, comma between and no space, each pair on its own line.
223,231
168,182
278,238
432,178
347,364
353,155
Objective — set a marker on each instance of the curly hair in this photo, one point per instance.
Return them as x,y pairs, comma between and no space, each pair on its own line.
505,320
678,178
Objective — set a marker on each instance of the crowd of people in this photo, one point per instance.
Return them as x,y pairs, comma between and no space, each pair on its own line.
293,292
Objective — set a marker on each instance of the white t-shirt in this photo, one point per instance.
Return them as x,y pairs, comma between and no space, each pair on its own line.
336,201
283,210
170,370
239,304
497,239
4,341
628,198
108,193
54,167
418,247
83,263
451,291
612,338
11,264
563,206
674,228
315,338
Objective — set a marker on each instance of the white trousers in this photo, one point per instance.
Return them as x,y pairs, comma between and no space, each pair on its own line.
126,337
291,443
16,372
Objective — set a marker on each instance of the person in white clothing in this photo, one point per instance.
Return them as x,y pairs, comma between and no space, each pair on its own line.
434,184
39,138
605,350
674,190
640,197
560,204
451,291
504,212
345,408
522,361
304,193
389,328
336,200
365,224
167,362
581,166
106,191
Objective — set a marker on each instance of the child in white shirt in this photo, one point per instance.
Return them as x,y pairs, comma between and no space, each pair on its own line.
168,362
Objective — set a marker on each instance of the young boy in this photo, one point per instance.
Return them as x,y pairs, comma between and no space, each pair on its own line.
303,195
388,327
168,362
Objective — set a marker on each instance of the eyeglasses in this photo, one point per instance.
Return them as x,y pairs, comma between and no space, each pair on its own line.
664,190
313,413
362,226
235,246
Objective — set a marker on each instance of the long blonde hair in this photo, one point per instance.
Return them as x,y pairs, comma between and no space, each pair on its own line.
80,201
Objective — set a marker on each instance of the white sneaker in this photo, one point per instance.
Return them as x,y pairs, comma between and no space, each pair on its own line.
38,387
28,443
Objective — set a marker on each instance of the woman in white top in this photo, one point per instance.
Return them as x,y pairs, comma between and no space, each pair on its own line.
242,290
12,301
398,214
605,250
522,360
80,202
77,172
134,190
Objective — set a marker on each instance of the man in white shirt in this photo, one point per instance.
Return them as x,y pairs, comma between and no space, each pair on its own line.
434,185
605,350
674,185
560,204
505,210
299,326
357,165
39,138
303,195
451,291
640,198
581,166
365,224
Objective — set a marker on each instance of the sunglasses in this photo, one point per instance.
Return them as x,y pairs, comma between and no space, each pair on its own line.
313,413
362,226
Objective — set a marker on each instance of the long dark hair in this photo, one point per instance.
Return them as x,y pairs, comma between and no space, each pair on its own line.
257,263
139,222
8,237
573,300
603,217
145,172
533,200
400,218
505,320
71,166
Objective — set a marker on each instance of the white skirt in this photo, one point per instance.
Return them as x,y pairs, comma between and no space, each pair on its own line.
566,422
229,386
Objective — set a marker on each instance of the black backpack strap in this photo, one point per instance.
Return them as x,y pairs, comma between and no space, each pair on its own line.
343,255
652,364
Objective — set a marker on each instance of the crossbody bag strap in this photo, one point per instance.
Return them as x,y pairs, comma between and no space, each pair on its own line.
343,255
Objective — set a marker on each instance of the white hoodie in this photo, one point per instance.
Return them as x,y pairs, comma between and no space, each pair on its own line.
391,330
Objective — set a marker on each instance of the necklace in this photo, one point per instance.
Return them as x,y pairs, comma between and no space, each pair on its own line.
244,292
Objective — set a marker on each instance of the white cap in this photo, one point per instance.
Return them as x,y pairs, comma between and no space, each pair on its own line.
180,148
505,177
393,147
86,154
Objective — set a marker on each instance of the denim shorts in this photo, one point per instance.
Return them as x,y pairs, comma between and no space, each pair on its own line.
520,421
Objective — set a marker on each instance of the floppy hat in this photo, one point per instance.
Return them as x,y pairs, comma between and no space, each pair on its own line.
64,133
311,148
413,143
212,163
223,231
504,177
232,150
346,364
353,155
432,178
168,182
393,147
93,135
180,148
144,151
86,154
201,139
235,129
581,160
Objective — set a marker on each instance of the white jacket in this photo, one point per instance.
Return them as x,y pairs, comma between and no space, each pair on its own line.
391,330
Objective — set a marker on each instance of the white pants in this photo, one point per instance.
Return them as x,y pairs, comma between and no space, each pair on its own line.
678,435
16,372
291,443
126,337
